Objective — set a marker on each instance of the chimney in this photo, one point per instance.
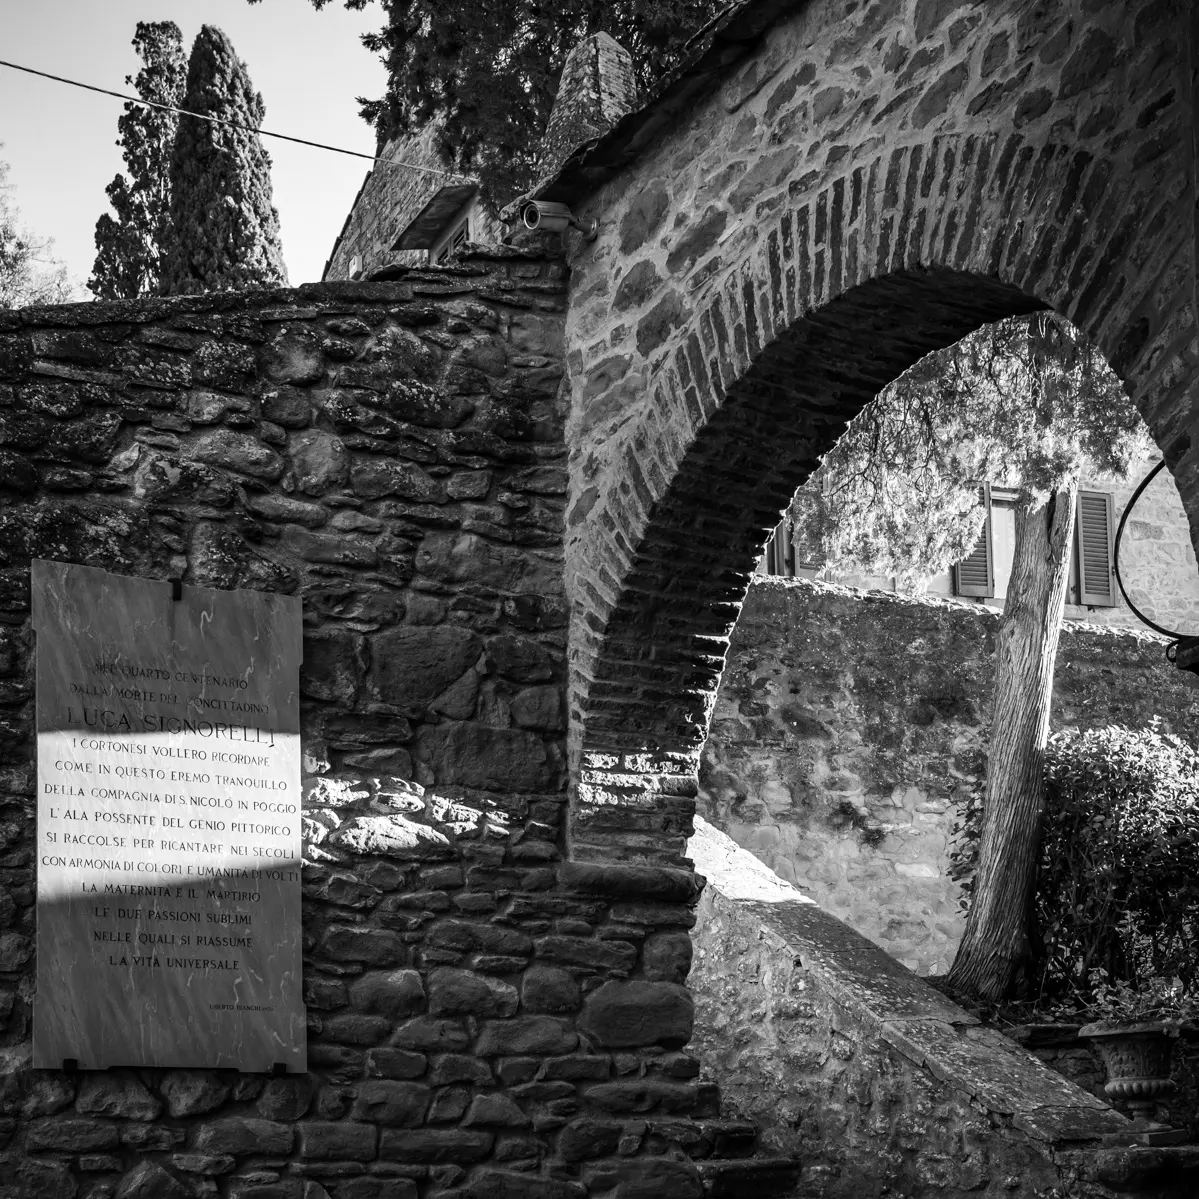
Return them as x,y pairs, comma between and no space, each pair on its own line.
596,89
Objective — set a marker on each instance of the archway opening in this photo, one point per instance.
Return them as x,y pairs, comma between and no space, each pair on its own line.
650,689
850,733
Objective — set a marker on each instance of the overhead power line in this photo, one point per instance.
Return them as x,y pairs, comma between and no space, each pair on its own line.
390,162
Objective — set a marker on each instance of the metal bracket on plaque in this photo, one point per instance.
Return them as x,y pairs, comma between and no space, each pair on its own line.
176,590
70,1065
278,1069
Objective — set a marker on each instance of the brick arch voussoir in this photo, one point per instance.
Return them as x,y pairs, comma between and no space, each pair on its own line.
901,256
654,680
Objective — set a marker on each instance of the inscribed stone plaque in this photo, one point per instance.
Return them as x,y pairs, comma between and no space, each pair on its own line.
168,832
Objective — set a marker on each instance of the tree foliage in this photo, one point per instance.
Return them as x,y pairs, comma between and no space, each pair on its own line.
1119,879
1117,898
29,273
130,246
1025,403
490,71
224,230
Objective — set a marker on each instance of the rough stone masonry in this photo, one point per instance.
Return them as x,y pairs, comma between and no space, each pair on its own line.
393,453
497,1004
486,1019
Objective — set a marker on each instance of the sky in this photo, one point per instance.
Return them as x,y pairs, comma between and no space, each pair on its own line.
60,141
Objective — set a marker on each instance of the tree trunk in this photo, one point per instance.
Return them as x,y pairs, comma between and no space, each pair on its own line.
995,957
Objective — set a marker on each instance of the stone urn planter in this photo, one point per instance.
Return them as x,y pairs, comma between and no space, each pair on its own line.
1137,1057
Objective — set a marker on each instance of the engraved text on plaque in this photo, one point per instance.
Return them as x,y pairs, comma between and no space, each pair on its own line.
168,838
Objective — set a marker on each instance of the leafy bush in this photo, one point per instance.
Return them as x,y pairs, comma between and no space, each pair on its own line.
1118,877
1160,999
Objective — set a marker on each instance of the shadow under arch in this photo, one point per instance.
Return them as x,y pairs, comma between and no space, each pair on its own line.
654,681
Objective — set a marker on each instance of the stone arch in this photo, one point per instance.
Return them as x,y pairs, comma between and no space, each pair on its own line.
848,285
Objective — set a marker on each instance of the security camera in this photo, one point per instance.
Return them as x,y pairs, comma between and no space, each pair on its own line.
555,218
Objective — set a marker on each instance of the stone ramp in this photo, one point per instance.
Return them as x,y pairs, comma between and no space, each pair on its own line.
873,1080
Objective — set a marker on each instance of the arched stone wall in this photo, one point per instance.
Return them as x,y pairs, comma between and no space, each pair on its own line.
862,191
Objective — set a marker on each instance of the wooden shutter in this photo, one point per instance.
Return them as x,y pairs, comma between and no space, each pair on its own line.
784,556
1093,536
769,559
780,558
975,574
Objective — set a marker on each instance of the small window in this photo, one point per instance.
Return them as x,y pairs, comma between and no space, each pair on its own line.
779,555
975,574
1096,562
787,557
456,240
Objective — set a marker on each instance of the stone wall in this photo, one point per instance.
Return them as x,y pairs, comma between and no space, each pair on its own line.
393,454
372,226
875,1080
486,1020
1157,560
847,724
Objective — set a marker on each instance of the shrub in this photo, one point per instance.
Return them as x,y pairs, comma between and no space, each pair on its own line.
1118,876
1160,999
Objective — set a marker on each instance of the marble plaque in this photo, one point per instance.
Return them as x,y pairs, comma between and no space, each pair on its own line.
168,830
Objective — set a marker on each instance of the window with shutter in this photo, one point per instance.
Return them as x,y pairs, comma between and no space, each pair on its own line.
809,559
787,557
1093,536
779,558
451,242
767,561
975,574
805,556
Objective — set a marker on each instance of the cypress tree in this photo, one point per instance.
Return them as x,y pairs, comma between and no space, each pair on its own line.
129,248
224,229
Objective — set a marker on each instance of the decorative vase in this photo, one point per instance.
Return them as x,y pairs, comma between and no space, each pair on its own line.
1137,1057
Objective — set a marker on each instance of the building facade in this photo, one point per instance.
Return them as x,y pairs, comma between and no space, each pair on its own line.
1157,563
411,210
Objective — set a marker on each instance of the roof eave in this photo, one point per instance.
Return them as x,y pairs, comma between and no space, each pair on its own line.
422,232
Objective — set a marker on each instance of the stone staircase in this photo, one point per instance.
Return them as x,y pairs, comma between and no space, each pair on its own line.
726,1152
733,1165
763,1177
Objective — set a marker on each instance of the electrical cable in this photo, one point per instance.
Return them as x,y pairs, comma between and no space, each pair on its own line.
1180,640
1136,495
232,124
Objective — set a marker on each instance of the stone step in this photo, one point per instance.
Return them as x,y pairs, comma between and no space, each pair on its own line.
725,1139
707,1101
741,1178
722,1138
